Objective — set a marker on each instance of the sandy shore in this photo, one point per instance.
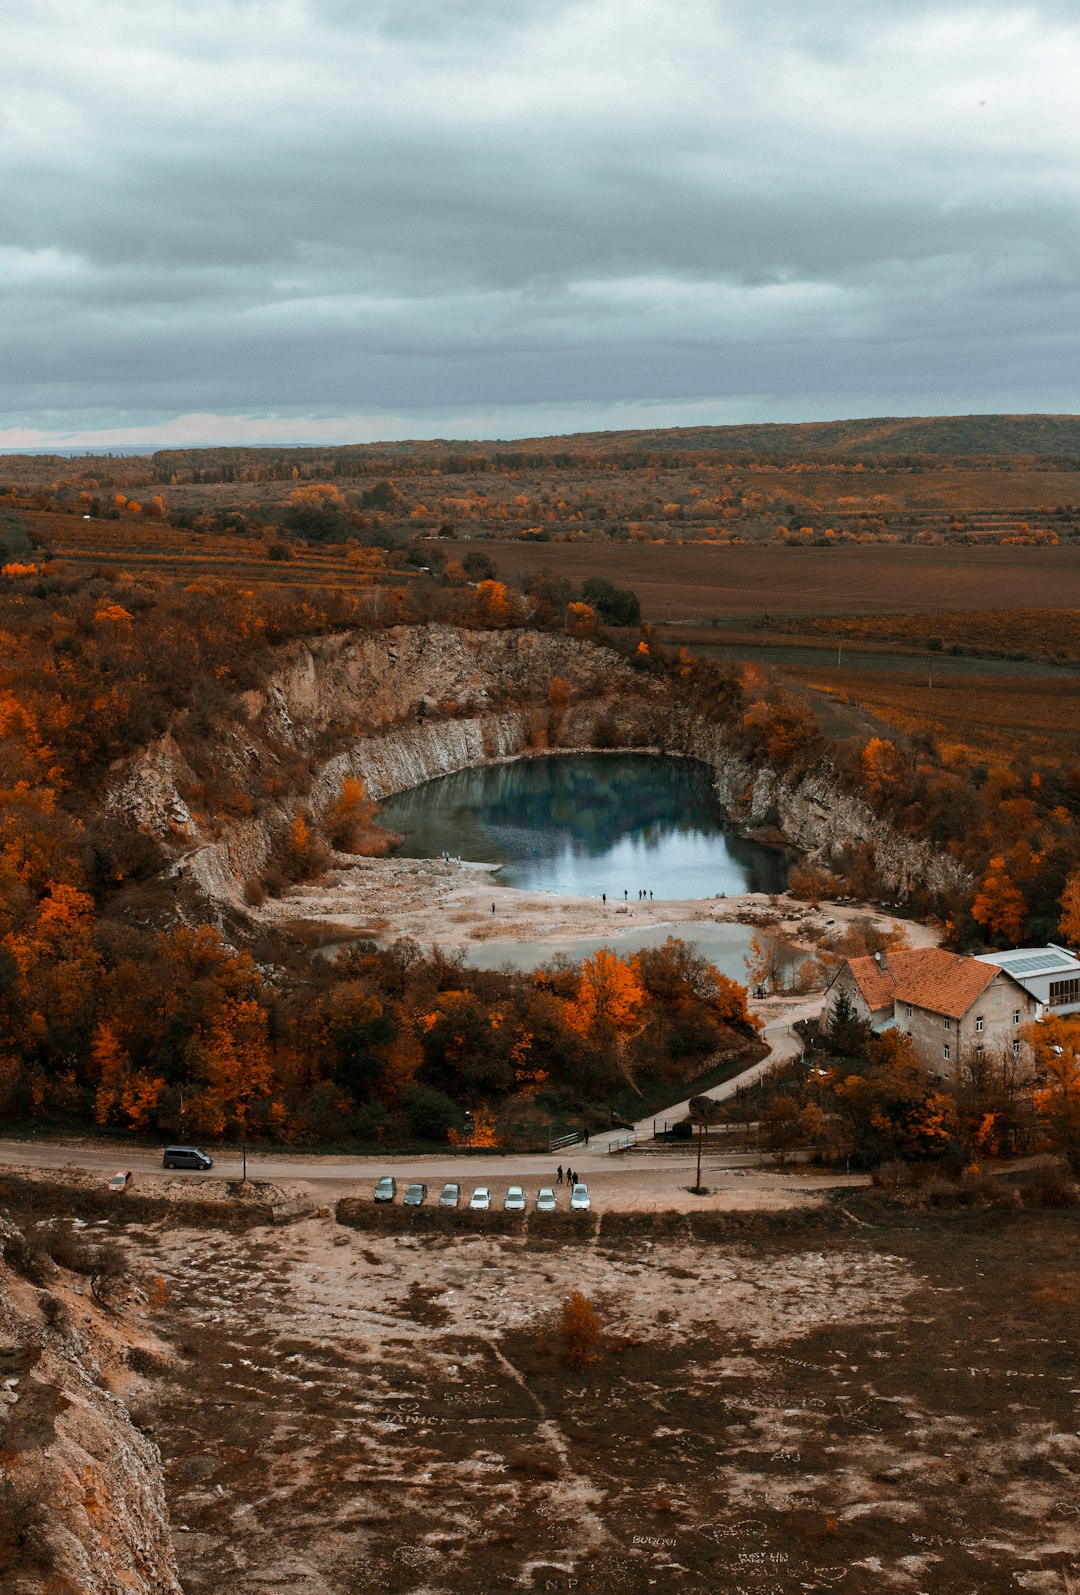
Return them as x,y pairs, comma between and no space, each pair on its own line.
455,905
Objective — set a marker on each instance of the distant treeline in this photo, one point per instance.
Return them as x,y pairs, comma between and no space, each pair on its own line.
914,443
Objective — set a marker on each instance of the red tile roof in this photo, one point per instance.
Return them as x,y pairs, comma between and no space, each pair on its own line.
926,977
874,982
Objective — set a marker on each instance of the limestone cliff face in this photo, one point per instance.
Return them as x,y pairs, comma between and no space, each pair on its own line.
81,1493
370,681
813,812
401,707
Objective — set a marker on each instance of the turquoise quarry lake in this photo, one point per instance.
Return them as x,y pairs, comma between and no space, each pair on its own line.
588,824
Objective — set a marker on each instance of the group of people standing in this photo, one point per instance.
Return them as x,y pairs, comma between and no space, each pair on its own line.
571,1177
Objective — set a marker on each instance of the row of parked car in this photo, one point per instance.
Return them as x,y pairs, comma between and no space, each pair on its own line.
515,1200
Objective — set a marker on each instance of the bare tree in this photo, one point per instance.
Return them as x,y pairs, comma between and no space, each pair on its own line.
703,1112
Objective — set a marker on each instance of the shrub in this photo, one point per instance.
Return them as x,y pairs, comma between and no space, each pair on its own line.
431,1113
30,1262
536,1463
618,606
893,1174
23,1541
580,1331
1051,1188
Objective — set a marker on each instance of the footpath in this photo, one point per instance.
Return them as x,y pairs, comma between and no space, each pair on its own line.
783,1042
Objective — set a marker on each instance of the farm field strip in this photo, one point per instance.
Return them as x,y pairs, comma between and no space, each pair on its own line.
988,712
696,581
791,654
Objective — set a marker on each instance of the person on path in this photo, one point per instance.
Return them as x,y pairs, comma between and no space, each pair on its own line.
604,896
558,1180
625,894
493,908
586,1137
571,1179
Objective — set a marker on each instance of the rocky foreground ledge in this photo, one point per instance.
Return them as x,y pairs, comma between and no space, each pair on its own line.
82,1506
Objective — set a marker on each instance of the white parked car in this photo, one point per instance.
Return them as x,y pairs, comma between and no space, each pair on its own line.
480,1200
579,1199
451,1195
545,1201
514,1200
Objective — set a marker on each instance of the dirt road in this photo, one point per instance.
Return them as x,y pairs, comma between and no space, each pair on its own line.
628,1183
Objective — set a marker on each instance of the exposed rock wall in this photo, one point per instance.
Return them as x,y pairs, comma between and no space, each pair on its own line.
367,681
813,812
81,1496
401,707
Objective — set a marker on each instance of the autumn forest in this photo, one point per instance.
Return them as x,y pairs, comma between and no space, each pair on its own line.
145,597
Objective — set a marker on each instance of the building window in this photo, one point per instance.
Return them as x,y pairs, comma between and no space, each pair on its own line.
1062,993
1016,1049
909,1010
1016,1016
978,1024
948,1024
947,1053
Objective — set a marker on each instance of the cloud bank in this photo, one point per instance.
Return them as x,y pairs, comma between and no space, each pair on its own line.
334,220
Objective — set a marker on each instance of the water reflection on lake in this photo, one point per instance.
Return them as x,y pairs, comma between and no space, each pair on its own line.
586,824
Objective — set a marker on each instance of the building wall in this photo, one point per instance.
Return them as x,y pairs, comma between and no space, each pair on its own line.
845,981
1039,986
996,1006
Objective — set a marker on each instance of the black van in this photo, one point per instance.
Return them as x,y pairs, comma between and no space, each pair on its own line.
186,1157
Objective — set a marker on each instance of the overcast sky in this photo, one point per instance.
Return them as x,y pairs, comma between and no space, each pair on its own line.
346,220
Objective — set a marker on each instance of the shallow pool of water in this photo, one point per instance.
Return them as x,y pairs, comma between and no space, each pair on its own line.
726,946
589,824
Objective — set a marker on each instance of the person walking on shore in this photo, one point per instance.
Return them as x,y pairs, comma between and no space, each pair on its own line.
558,1180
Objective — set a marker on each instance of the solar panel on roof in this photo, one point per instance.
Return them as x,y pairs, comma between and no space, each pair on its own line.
1041,964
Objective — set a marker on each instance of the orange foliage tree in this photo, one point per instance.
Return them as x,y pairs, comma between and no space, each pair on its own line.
350,821
881,766
580,1331
610,995
998,904
1070,910
238,1072
1056,1045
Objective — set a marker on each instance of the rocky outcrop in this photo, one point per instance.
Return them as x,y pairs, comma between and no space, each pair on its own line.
368,681
813,812
82,1506
400,707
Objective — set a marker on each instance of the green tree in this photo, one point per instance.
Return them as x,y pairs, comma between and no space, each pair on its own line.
845,1032
618,606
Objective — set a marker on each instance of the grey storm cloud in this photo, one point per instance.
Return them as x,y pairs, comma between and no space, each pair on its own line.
330,218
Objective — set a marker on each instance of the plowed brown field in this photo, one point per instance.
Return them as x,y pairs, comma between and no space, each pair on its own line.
698,582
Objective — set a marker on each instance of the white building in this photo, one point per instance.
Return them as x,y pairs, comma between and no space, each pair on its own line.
1051,975
949,1005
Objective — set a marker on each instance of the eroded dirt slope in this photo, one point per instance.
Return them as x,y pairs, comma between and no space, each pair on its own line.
82,1510
892,1407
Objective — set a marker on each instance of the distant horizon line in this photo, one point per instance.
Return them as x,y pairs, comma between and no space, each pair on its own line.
121,450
